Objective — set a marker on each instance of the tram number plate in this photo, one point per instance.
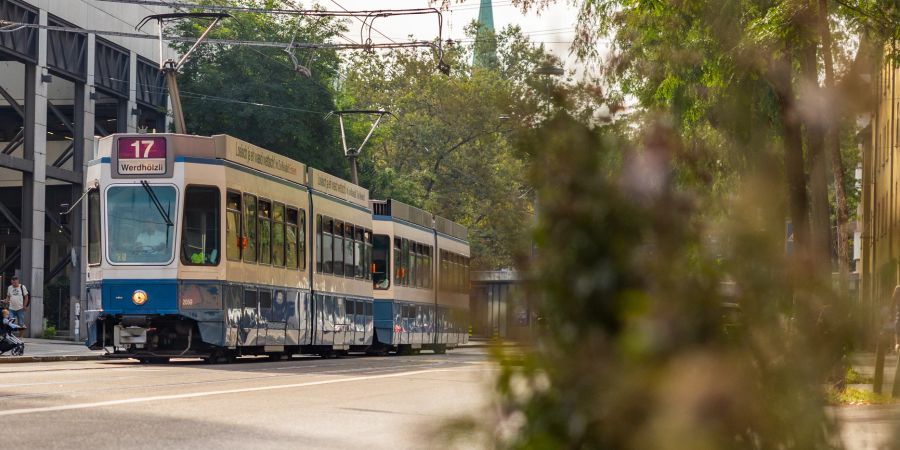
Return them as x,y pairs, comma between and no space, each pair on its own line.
141,155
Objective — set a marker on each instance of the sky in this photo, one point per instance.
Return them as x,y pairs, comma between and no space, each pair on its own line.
555,27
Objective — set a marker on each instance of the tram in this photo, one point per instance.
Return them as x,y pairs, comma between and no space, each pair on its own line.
212,247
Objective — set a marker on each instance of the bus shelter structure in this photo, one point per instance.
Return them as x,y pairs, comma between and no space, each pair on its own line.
59,92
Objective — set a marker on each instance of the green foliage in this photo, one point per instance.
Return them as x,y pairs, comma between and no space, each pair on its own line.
449,148
223,87
854,377
854,396
49,332
634,349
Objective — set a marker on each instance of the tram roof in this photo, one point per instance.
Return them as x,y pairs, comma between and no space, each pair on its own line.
249,155
399,210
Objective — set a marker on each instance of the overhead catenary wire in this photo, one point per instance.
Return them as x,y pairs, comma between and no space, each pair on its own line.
7,26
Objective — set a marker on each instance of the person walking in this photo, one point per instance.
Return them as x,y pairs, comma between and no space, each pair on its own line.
17,297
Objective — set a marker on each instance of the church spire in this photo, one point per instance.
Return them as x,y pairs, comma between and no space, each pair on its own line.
485,39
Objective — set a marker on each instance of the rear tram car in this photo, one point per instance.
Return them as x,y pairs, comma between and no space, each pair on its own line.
419,303
212,247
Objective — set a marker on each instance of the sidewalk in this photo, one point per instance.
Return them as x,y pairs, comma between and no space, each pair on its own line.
46,350
870,426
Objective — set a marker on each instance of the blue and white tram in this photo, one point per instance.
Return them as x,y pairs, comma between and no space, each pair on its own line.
417,306
212,247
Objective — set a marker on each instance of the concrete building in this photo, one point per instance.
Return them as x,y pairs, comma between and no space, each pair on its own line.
60,91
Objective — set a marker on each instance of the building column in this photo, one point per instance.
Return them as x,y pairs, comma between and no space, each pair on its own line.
84,142
34,184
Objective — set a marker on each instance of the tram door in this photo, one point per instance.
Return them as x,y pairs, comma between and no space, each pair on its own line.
249,318
265,310
340,321
276,319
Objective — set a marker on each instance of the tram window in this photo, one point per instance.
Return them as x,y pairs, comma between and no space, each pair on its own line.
327,258
368,308
290,238
455,260
413,264
398,263
459,273
249,299
250,228
233,233
137,233
348,250
466,274
429,266
301,241
442,273
265,232
265,299
351,307
318,243
406,268
367,267
423,260
420,266
94,226
338,247
278,234
359,249
381,254
200,232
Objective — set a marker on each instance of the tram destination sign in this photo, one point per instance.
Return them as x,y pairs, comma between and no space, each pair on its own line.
141,155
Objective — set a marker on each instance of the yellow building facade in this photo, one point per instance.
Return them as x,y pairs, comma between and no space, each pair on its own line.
879,205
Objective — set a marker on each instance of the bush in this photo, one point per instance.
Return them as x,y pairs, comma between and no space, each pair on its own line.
633,350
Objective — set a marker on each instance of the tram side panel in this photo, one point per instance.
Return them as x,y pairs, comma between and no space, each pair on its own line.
453,293
405,312
266,255
342,291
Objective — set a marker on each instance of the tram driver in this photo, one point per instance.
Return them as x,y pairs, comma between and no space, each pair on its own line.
151,238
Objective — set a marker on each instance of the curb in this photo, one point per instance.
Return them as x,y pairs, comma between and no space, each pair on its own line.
28,359
490,345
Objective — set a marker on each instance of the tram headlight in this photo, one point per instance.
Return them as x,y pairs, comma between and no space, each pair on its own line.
139,297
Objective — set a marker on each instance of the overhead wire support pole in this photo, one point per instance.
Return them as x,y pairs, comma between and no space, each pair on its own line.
353,154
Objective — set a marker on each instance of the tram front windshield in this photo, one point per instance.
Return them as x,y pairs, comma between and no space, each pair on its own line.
138,232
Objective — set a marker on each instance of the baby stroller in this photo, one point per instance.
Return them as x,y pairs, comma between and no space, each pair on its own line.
9,342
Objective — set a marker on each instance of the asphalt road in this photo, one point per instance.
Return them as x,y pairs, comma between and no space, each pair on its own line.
394,402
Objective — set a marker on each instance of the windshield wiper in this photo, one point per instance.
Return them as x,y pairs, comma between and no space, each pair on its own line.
157,203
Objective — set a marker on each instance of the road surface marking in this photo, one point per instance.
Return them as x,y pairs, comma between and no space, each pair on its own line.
15,412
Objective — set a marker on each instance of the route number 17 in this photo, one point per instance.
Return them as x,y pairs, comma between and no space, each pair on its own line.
136,145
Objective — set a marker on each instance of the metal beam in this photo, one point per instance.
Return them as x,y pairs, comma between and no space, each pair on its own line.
57,268
15,143
12,102
11,259
64,175
16,223
20,164
59,115
65,156
100,129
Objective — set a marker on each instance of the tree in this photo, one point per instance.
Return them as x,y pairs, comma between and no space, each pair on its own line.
449,150
257,94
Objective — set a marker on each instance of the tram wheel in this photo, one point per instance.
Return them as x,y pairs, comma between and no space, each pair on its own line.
275,356
158,360
440,349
